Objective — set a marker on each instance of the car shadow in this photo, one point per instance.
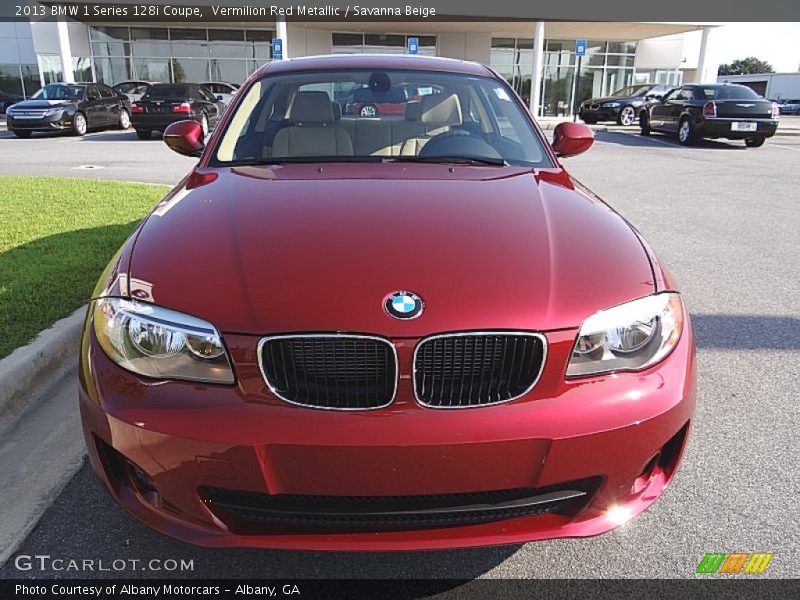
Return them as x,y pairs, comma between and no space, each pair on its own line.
85,519
660,140
746,332
116,136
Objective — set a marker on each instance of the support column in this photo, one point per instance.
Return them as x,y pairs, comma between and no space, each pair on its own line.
65,51
538,64
282,33
703,63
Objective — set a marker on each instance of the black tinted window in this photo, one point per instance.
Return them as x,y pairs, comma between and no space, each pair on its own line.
727,92
168,91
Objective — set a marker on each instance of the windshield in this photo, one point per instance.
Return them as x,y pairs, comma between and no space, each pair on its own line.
728,92
167,91
59,92
631,90
363,115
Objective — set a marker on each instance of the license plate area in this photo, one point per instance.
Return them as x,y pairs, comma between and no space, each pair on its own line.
740,126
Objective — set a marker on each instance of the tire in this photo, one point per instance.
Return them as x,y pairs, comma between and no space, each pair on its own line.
626,116
755,142
124,120
686,135
644,123
144,134
368,110
21,133
204,124
79,125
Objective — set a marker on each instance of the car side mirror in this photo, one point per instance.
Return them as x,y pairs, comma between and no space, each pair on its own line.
659,98
185,137
571,139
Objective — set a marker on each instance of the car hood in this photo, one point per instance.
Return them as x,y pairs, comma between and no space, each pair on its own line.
42,103
310,248
614,99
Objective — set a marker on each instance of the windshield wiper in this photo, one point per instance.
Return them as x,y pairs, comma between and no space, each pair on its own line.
451,160
284,160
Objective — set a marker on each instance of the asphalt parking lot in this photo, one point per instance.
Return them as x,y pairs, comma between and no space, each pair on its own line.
724,218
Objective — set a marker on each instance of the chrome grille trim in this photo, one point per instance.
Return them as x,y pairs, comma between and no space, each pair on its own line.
334,336
423,341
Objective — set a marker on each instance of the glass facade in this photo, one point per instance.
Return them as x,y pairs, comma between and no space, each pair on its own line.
18,81
176,55
379,43
607,66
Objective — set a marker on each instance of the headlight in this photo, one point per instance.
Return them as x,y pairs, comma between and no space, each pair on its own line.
160,343
628,337
52,112
610,104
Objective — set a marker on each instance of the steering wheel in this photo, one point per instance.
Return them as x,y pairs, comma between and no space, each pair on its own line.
459,143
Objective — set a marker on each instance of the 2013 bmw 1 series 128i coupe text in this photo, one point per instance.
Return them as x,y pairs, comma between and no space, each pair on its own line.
391,333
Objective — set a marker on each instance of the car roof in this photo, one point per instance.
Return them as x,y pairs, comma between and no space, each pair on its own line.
374,61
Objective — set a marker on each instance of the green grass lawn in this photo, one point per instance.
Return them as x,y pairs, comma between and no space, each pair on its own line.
56,237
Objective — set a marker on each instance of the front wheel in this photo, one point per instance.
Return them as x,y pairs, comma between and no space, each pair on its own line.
755,142
686,135
644,123
143,134
124,119
627,116
21,133
79,126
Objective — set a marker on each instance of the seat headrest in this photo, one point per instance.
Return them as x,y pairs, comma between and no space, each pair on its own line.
413,111
337,110
441,110
311,107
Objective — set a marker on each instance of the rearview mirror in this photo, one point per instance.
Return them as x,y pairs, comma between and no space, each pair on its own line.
571,139
185,137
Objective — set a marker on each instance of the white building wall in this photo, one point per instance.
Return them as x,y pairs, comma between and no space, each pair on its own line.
660,53
780,86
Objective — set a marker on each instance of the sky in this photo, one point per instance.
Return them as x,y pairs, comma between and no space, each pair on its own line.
776,43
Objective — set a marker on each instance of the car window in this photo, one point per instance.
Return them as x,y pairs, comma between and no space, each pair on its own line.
106,92
205,94
686,94
167,91
92,92
124,88
726,92
489,121
672,95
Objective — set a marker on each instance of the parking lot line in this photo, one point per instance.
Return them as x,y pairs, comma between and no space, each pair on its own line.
784,147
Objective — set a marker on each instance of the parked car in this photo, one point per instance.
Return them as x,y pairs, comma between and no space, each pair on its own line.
73,107
224,92
790,107
713,110
368,102
134,90
390,334
167,103
622,106
8,100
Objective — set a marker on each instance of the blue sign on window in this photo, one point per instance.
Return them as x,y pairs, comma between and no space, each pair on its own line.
413,45
277,48
580,47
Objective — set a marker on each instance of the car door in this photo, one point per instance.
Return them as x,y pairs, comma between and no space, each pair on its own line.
660,110
95,107
111,104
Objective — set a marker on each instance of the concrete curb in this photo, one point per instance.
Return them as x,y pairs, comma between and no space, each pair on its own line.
28,372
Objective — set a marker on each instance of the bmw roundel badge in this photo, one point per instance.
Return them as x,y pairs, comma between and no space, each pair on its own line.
403,305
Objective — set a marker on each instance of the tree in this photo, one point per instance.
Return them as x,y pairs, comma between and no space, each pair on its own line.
746,66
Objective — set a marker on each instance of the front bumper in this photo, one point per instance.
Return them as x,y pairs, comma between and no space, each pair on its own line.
722,128
54,123
599,114
624,432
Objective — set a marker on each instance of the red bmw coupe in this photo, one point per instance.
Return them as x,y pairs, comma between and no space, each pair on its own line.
384,334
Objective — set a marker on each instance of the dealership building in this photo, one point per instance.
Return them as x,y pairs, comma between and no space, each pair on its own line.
538,58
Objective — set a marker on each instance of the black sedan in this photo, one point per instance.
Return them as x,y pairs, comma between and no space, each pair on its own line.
8,100
696,111
167,103
622,106
74,107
